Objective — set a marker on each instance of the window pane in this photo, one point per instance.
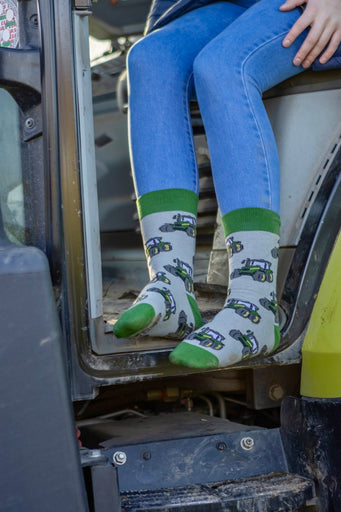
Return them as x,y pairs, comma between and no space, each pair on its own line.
11,183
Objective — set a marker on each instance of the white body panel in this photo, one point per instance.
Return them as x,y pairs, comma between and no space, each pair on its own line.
307,127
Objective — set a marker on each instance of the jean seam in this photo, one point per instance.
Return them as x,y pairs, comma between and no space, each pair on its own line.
252,110
190,131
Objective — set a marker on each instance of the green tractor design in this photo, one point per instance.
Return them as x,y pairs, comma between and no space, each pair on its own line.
160,276
248,340
208,338
233,246
140,298
183,328
269,304
185,223
169,300
275,252
259,270
184,271
244,309
155,245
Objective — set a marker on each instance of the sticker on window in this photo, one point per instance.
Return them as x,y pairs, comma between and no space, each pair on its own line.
9,31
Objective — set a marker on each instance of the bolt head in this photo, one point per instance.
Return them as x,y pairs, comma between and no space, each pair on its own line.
247,443
276,392
119,458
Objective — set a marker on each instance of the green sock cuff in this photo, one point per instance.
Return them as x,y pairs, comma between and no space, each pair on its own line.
251,219
166,201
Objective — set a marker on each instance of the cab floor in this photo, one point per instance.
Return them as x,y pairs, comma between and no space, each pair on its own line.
118,297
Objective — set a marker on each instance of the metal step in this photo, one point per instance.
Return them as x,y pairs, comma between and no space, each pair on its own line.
275,492
180,449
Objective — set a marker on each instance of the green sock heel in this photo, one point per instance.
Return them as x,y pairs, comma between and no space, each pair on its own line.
198,322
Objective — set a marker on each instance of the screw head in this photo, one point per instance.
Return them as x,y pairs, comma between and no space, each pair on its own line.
221,446
146,455
34,20
247,443
29,123
119,458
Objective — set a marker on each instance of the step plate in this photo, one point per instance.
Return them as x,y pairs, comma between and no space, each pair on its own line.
209,450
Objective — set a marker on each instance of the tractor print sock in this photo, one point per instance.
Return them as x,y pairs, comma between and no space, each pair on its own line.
247,326
166,306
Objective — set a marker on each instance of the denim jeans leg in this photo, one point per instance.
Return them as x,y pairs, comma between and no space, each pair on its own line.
160,70
230,74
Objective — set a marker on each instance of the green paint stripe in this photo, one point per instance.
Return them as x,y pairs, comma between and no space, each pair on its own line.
320,376
166,201
251,219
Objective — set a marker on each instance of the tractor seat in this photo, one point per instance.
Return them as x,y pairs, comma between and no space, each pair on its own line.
308,81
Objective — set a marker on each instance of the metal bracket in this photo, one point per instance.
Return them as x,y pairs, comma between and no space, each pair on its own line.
83,4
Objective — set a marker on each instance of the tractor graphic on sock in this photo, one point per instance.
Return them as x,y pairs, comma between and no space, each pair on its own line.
185,223
140,298
183,328
155,245
232,246
248,340
160,276
275,252
259,270
184,271
245,309
169,301
270,304
208,338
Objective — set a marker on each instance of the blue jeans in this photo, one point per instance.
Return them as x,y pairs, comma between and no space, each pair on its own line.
226,54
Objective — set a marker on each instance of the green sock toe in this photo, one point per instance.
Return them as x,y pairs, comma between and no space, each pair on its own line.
134,320
193,357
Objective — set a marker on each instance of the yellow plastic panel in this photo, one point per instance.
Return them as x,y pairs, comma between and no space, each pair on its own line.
321,353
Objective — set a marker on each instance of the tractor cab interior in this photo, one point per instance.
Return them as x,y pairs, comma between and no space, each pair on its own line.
294,107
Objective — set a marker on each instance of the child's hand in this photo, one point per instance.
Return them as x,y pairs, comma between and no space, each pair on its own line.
324,19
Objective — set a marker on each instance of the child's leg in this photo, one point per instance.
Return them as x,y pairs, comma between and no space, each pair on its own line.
165,171
160,70
230,75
